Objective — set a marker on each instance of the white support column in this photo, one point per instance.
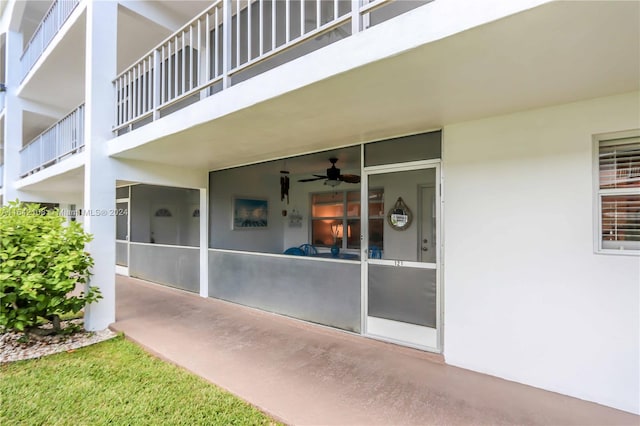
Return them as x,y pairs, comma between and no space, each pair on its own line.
12,118
99,178
204,242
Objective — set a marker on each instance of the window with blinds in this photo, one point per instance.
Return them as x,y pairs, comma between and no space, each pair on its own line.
619,194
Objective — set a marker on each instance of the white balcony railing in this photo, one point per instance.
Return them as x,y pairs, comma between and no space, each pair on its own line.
63,139
226,39
53,20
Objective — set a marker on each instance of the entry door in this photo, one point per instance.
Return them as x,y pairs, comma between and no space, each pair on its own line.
400,270
164,224
122,232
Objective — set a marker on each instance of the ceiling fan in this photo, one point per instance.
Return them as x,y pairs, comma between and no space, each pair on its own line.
333,177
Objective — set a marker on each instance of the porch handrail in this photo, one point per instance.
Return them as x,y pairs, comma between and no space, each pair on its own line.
53,20
62,139
227,37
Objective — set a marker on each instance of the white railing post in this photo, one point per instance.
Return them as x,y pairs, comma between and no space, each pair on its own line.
226,42
57,134
40,151
203,54
156,84
355,17
59,12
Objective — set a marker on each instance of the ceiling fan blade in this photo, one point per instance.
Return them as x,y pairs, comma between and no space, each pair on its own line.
312,179
350,178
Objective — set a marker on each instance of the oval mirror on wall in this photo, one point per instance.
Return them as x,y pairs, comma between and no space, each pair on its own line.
399,216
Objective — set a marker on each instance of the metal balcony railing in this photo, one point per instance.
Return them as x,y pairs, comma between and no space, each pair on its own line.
63,139
226,39
53,20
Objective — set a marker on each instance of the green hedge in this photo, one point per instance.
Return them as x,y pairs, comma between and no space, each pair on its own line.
42,258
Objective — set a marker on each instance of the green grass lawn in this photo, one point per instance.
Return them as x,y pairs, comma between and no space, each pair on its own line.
114,382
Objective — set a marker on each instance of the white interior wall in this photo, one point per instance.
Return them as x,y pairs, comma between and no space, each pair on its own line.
145,200
300,202
263,181
525,297
246,182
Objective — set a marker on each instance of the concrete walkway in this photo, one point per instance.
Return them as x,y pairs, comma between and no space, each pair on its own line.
310,375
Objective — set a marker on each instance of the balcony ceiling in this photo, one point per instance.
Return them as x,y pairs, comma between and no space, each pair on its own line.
138,34
63,88
33,124
55,187
34,11
184,9
556,53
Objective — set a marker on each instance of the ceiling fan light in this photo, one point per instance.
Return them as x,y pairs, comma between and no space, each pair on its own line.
332,183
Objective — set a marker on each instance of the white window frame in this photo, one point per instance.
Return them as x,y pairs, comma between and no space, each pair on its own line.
599,193
344,218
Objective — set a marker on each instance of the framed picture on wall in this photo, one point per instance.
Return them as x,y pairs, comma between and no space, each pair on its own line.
250,213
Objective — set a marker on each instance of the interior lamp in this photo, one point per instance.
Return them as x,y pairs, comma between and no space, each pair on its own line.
332,182
337,230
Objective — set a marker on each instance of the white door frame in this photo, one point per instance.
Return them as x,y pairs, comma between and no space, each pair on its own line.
124,270
421,230
364,196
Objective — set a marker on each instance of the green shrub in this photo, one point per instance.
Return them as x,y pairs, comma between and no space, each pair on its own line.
42,258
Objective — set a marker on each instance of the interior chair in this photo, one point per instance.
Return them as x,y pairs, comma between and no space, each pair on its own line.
294,251
375,252
308,249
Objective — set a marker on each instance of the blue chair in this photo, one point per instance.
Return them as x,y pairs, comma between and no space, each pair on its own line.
309,250
294,251
375,252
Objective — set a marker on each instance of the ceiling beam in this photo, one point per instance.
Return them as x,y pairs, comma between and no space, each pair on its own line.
43,109
154,12
12,15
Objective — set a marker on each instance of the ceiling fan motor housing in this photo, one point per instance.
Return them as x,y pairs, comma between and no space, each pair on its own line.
333,173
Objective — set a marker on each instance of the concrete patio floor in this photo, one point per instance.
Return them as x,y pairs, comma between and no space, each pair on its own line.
310,375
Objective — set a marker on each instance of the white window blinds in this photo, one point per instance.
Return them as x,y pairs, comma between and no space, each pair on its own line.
619,194
620,163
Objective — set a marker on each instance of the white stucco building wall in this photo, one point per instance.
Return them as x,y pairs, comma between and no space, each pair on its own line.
525,296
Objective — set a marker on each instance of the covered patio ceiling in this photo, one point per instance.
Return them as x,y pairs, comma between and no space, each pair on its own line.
69,182
556,53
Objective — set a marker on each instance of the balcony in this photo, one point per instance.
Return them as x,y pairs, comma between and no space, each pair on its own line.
232,41
53,20
58,142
